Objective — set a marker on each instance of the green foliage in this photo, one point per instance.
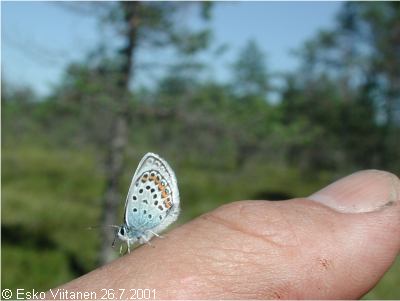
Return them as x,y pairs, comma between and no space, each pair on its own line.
159,24
348,72
46,268
50,197
250,72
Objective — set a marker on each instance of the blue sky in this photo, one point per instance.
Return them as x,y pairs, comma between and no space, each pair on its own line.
39,39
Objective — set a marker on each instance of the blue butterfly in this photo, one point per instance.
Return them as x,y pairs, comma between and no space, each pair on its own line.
152,203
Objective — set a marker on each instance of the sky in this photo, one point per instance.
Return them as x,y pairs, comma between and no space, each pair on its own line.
39,39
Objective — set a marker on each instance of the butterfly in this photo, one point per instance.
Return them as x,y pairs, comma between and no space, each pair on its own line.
152,203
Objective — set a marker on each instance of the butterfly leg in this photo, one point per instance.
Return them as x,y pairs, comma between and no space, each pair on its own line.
120,249
155,234
147,241
129,247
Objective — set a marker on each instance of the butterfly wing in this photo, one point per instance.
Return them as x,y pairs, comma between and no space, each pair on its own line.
153,198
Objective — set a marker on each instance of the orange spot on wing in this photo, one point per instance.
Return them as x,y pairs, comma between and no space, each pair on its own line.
164,194
168,203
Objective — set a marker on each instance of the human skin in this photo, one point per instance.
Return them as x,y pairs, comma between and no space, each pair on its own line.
334,244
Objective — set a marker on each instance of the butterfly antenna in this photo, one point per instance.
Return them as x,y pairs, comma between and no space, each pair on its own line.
101,226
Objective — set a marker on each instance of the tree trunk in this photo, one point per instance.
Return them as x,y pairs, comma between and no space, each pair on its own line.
114,161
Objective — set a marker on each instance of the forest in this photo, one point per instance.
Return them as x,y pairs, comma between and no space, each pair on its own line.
68,158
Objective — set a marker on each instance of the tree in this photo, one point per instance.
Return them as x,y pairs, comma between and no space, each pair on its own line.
356,60
250,76
107,81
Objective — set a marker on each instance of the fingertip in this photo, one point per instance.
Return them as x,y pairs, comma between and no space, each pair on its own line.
363,191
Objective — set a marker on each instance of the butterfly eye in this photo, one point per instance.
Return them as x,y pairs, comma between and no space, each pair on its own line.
122,231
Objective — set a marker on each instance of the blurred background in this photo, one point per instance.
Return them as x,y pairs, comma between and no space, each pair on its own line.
246,100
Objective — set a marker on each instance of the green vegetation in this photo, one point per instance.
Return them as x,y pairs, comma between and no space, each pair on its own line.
226,141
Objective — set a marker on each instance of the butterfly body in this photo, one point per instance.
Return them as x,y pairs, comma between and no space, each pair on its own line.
152,203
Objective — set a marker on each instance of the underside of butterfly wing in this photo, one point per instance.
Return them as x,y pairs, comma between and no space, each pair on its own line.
153,199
